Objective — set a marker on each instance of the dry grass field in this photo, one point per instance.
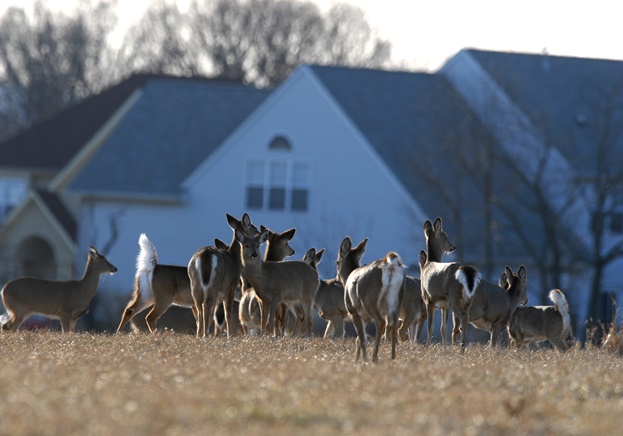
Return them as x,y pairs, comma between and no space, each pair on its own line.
99,384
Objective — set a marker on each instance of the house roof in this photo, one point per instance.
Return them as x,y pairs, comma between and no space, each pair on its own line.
51,143
567,99
416,122
168,132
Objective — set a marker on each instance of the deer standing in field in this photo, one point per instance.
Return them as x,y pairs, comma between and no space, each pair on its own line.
214,276
412,311
329,299
157,286
540,323
251,310
375,292
289,282
492,305
67,301
445,285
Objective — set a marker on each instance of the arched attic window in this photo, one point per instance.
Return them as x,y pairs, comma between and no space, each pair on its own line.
280,143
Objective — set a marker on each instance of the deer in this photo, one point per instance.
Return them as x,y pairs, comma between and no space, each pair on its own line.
277,282
214,276
157,286
540,323
250,310
445,285
492,305
67,301
375,291
329,299
412,311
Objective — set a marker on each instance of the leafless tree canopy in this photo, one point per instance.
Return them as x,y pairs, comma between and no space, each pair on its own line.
49,60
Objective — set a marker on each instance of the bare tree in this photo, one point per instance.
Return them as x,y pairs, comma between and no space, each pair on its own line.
50,60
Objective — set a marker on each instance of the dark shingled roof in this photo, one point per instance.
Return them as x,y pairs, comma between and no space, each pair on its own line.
172,128
50,144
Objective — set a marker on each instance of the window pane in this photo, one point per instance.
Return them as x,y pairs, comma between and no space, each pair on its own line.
280,143
299,199
277,200
278,173
255,197
255,173
300,175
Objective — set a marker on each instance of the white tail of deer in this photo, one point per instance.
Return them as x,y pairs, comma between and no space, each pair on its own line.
445,285
214,276
63,300
156,285
540,323
492,306
289,282
375,291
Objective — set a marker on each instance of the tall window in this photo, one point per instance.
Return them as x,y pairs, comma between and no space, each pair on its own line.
277,185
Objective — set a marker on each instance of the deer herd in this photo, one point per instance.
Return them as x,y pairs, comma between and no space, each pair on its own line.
274,296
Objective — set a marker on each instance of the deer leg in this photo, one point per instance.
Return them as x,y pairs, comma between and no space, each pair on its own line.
360,342
65,323
330,329
430,314
456,328
559,343
444,325
228,305
381,325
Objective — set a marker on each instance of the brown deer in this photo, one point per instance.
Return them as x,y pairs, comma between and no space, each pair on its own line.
214,276
289,282
540,323
492,305
67,301
412,311
445,285
250,309
157,286
375,291
329,298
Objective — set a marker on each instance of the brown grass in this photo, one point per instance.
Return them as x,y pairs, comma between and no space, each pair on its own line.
166,383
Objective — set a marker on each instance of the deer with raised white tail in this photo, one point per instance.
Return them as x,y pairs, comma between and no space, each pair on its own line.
540,323
214,276
288,282
157,286
492,305
67,301
251,311
445,285
375,292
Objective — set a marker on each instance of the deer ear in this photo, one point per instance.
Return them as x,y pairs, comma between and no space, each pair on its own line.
437,224
246,220
318,256
508,271
93,250
502,280
240,237
522,272
362,245
423,258
345,246
427,225
264,236
289,234
233,222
